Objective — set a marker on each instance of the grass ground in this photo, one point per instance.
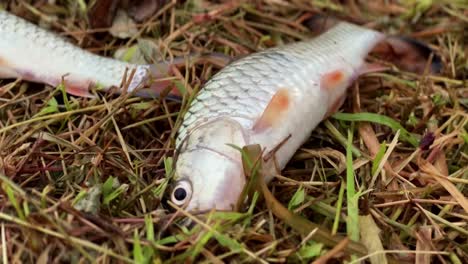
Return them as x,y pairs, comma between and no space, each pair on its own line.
82,179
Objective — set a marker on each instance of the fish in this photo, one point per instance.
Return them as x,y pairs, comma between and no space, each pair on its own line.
34,54
274,98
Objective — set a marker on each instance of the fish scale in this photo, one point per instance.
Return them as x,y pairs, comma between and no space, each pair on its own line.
235,86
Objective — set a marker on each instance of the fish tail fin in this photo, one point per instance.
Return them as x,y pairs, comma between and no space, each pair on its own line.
154,80
406,53
158,78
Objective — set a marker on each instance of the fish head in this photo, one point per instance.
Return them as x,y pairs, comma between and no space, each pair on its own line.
208,168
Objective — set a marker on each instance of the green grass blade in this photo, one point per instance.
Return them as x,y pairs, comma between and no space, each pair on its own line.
137,251
339,205
352,225
297,198
12,198
51,108
63,90
380,119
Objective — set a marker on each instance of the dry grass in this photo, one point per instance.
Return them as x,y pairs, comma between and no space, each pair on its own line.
84,182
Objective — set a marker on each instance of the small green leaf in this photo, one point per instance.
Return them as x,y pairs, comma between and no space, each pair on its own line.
310,250
438,100
412,119
107,186
12,198
297,198
265,38
161,188
114,194
52,107
79,196
129,53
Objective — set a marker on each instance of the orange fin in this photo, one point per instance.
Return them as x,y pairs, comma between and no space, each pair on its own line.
78,89
277,106
331,80
6,70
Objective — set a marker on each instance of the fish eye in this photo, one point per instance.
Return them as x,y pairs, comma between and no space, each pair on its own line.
181,193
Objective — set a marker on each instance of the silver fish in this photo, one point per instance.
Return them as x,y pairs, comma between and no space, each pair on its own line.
273,96
38,55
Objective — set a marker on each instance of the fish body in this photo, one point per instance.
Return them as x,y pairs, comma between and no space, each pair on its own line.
35,54
277,96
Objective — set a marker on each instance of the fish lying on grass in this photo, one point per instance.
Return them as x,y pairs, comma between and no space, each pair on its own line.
274,98
37,55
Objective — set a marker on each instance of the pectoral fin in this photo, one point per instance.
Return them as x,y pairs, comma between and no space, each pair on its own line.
6,71
371,68
78,89
275,110
333,79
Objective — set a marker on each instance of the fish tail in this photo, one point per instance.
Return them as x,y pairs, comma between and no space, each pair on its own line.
406,53
158,78
409,54
155,81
